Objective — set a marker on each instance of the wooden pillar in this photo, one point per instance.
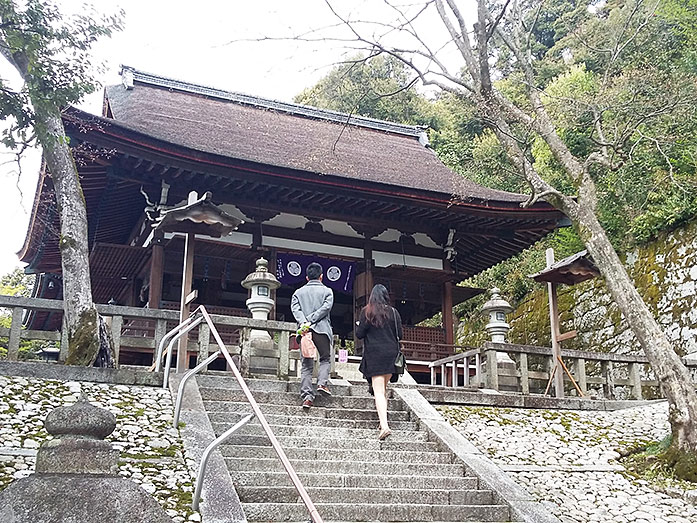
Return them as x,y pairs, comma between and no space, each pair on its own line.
187,280
447,307
554,323
157,262
448,323
368,260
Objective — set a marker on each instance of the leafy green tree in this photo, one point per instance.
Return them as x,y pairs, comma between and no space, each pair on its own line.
628,101
51,53
374,86
17,283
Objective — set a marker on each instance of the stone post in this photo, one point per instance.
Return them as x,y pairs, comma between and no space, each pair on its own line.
77,476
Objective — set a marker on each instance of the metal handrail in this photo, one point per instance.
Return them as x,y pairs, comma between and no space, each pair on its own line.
170,349
314,515
206,453
161,346
182,385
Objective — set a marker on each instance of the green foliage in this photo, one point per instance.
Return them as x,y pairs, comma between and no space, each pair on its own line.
662,462
616,67
16,283
52,52
377,87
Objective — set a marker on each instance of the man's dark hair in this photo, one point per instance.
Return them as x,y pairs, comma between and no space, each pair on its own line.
313,271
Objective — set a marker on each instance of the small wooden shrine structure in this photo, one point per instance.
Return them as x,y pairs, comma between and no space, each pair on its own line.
571,270
369,199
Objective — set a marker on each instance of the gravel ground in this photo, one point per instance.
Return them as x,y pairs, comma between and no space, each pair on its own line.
568,459
151,451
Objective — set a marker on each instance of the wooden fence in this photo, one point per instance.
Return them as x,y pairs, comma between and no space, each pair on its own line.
532,366
138,329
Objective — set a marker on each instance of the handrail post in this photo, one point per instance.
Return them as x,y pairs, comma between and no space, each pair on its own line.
182,385
492,370
206,453
15,334
116,325
170,348
165,339
609,382
314,515
284,355
635,380
524,380
581,374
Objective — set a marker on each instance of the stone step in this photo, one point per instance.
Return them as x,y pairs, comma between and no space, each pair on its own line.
308,420
347,467
319,442
333,454
265,494
297,410
293,398
380,512
270,385
357,435
372,481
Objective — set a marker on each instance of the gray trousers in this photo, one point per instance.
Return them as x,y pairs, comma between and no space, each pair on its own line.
322,342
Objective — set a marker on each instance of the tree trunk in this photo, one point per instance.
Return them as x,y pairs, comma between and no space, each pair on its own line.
671,373
82,319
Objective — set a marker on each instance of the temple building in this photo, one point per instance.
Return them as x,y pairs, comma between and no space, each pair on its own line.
366,198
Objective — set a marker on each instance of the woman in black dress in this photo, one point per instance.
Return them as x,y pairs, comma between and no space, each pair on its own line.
380,328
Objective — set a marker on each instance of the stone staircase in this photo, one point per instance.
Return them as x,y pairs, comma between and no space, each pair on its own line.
348,473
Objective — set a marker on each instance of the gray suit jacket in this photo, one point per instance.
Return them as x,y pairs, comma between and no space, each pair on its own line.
312,303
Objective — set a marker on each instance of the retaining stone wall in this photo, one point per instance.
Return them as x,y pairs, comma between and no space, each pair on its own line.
665,273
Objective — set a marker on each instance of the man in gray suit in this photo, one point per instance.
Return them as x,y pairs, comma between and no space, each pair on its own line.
311,305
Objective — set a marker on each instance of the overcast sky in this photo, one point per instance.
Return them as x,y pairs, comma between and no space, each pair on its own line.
210,42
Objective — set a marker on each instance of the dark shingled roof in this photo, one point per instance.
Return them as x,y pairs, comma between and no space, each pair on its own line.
287,135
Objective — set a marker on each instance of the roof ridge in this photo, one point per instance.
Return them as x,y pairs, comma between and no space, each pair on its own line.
130,74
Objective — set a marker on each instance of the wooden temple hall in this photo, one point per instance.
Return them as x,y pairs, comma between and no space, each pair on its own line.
368,199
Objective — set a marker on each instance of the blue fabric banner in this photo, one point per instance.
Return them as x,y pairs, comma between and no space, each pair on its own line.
338,274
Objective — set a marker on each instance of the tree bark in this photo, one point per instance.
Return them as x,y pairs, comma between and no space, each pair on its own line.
83,321
671,373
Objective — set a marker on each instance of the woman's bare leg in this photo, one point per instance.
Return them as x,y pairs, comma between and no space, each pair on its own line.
380,388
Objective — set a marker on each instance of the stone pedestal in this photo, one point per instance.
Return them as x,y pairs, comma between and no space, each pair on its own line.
77,477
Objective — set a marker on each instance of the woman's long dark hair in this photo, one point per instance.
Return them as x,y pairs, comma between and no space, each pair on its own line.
378,308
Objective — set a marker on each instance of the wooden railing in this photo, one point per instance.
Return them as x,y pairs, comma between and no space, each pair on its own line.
587,368
140,329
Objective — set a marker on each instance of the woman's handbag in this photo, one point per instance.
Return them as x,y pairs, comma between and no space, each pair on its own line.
399,362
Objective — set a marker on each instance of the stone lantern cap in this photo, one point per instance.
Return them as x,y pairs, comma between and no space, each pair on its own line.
261,276
496,303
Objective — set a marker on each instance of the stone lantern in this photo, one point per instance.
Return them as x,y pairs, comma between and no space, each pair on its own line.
77,476
261,282
497,328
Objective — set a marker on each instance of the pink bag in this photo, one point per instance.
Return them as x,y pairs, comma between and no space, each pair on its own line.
307,346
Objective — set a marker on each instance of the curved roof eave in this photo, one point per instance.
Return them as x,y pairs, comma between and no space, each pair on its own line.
118,132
